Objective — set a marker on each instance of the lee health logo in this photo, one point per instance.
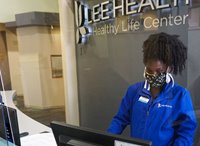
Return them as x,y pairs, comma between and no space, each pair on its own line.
81,29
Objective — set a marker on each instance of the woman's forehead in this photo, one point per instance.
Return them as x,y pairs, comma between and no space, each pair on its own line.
155,64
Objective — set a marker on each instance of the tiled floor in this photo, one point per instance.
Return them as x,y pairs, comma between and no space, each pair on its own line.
44,116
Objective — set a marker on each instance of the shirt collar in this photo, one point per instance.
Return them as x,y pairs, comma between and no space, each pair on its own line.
166,87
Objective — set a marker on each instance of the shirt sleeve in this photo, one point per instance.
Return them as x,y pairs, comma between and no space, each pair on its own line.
186,123
122,118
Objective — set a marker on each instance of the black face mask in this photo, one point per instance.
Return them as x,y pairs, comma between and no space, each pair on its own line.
155,80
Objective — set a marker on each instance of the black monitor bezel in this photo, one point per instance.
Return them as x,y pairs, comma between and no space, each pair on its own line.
91,135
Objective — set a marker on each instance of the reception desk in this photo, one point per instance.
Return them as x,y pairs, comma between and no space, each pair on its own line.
26,124
38,134
43,139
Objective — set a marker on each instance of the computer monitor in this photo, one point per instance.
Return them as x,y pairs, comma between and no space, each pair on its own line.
9,131
68,135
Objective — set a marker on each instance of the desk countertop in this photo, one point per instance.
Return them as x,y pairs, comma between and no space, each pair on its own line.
26,124
43,139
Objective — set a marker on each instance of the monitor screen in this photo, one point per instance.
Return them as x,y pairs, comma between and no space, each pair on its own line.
68,135
9,130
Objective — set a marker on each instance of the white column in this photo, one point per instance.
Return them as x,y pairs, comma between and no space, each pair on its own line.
67,31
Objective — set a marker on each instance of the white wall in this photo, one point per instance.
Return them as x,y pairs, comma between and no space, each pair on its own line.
8,8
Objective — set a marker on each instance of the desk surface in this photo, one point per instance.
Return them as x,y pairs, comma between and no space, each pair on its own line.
43,139
3,142
26,124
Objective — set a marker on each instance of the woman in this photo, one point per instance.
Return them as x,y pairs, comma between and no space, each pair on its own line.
158,109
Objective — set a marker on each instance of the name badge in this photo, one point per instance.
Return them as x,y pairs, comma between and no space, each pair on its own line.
143,99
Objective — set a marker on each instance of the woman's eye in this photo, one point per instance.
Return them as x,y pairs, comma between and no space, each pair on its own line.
152,73
149,71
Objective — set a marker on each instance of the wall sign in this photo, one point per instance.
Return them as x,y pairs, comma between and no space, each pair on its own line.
107,11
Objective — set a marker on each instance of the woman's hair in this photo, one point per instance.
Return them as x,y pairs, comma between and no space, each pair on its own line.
166,48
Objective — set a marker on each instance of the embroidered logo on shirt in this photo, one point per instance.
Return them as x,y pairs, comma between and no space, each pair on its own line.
164,105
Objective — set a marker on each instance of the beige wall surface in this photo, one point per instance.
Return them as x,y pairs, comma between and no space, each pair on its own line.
8,8
5,83
69,61
14,65
36,45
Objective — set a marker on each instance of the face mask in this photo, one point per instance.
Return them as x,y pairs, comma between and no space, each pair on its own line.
155,80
